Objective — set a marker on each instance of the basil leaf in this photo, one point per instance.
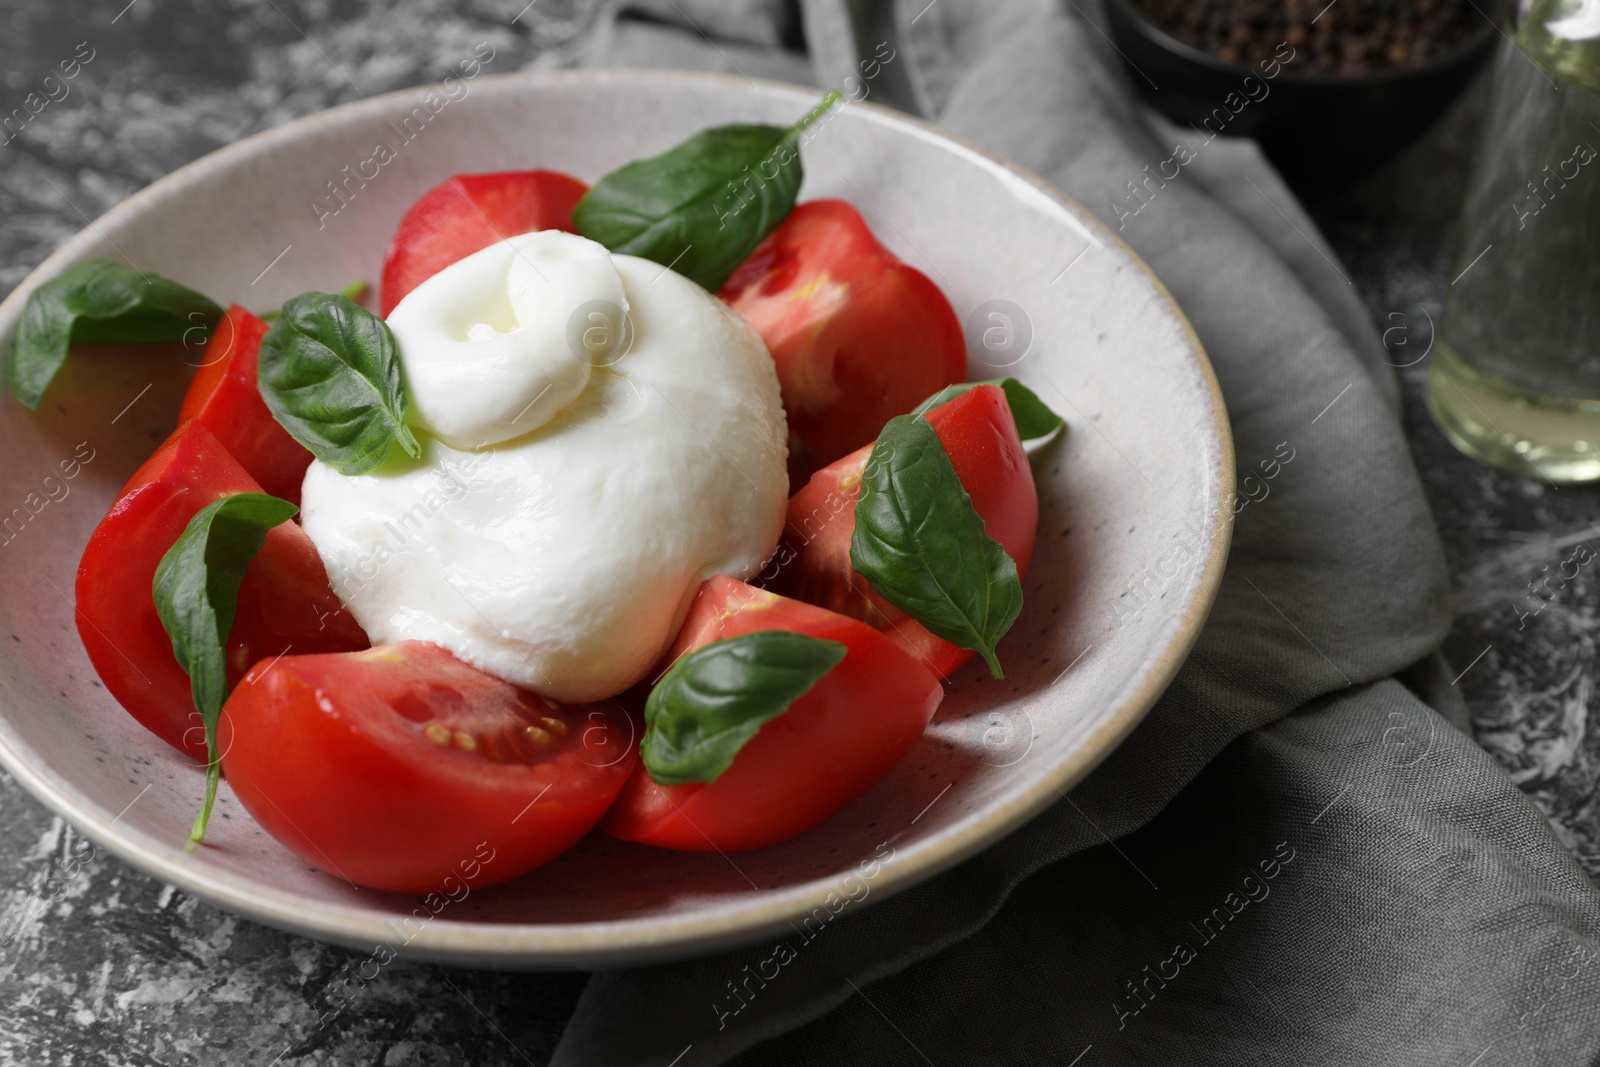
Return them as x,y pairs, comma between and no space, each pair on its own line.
355,291
196,591
703,206
330,373
716,698
921,545
103,303
1033,419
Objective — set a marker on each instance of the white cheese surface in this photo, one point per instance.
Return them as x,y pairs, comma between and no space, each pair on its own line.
561,559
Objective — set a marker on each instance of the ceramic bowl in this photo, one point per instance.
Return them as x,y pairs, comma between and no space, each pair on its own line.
1142,480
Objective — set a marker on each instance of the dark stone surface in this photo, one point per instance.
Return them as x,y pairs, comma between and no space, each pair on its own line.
100,964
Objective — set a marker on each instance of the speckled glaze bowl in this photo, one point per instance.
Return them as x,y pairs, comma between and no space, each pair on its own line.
1134,507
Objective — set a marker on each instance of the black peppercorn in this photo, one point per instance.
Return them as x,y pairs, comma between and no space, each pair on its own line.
1343,37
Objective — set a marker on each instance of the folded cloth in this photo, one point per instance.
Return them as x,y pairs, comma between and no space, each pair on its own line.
1294,858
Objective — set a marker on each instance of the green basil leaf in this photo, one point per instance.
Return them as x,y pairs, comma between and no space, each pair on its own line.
921,545
1033,419
703,206
196,591
355,291
715,699
102,303
330,373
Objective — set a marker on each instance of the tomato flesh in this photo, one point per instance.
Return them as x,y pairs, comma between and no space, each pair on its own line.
285,602
224,395
812,563
470,212
828,748
858,337
396,767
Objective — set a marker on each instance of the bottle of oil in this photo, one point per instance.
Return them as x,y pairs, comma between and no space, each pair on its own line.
1515,375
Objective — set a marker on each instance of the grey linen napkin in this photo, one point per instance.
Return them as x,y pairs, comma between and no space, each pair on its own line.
1295,858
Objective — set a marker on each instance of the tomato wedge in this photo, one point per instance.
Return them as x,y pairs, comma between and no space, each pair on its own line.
225,397
812,563
828,748
285,603
858,336
470,212
398,767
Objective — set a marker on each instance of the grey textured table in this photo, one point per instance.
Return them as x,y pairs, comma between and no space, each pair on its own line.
100,964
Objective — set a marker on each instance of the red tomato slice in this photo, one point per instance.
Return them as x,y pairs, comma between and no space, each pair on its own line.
225,397
401,767
285,602
858,337
812,562
470,212
828,748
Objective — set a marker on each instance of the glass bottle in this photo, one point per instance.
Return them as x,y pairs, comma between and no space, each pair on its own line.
1515,375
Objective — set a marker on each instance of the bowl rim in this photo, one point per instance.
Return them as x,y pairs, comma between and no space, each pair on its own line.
1462,52
632,941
